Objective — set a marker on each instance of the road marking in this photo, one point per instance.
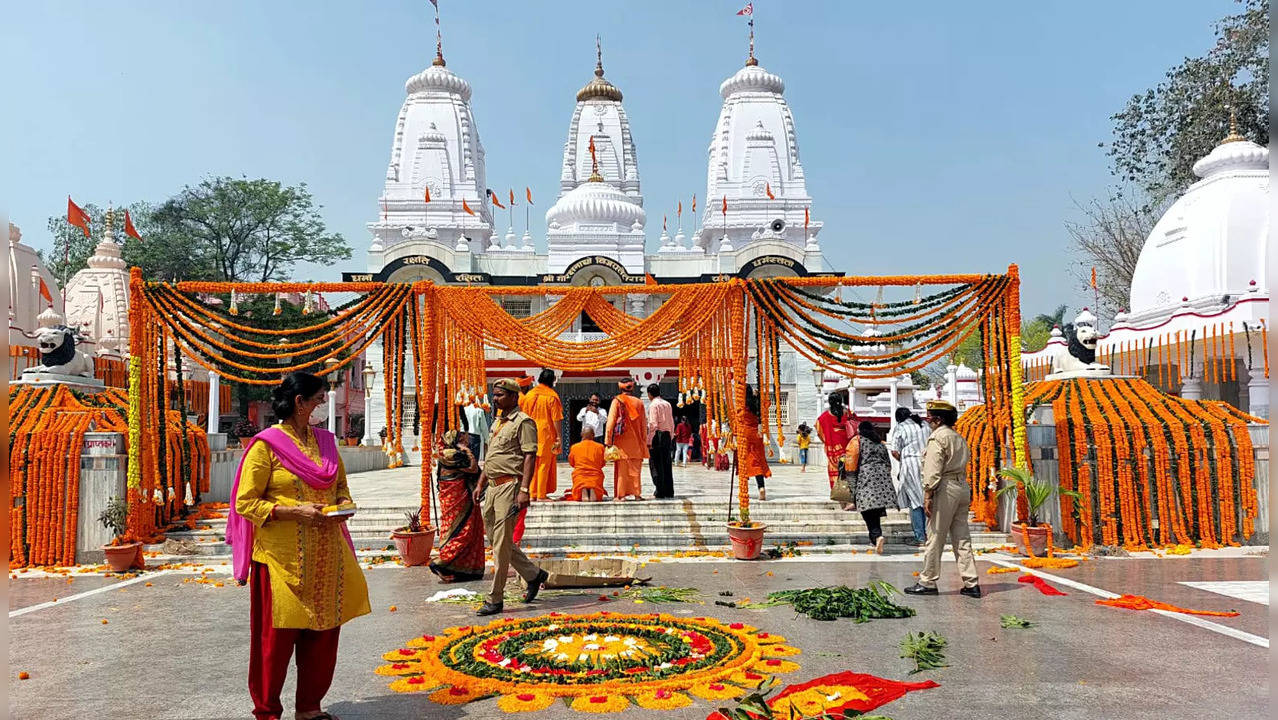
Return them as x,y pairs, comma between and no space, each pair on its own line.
1256,591
86,593
1191,619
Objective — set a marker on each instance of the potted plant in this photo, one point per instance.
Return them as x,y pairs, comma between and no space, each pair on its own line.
120,554
243,429
414,541
1031,537
354,430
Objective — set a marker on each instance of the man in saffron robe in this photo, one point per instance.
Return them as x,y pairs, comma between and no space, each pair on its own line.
626,436
587,461
542,405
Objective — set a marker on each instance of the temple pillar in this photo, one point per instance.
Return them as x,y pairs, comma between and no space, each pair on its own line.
951,384
1258,393
1192,389
892,406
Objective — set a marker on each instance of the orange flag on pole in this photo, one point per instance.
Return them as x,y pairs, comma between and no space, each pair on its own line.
528,194
767,188
1094,278
426,194
466,208
77,217
44,292
725,205
512,197
679,211
493,196
805,218
694,202
129,229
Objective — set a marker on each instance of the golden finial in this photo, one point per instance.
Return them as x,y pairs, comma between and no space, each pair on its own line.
598,56
1233,135
599,87
110,218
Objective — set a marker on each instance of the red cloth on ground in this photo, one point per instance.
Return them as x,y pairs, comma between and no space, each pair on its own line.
1041,584
270,649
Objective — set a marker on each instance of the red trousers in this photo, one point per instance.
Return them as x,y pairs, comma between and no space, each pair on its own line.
272,647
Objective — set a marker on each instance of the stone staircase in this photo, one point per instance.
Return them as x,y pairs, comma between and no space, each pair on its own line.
649,526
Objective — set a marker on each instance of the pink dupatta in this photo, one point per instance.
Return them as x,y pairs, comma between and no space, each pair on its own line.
239,531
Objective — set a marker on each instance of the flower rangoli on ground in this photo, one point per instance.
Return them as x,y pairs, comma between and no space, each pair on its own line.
604,661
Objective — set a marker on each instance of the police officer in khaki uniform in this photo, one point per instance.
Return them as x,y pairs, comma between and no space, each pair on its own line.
503,491
946,499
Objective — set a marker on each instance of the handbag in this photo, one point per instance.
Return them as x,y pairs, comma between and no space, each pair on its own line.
842,492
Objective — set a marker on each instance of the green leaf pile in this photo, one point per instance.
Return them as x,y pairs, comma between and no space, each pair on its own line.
873,602
926,649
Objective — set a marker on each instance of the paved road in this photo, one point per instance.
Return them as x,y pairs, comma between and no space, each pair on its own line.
177,649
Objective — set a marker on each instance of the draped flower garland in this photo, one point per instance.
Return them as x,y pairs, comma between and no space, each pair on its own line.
1152,469
445,331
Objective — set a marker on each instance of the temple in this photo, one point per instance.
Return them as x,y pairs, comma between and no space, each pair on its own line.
1199,305
438,221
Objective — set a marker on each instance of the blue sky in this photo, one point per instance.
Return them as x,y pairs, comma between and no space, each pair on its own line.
936,137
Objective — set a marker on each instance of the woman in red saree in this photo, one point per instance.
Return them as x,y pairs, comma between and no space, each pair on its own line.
461,544
835,427
752,455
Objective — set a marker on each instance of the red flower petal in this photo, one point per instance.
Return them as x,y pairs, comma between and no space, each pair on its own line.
736,626
597,699
416,680
428,638
716,686
662,694
753,676
526,697
774,662
405,651
764,635
458,691
399,666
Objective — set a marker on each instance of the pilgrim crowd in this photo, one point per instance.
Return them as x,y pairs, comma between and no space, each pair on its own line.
287,524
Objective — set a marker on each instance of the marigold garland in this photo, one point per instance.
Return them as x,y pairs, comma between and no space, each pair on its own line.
1136,456
525,702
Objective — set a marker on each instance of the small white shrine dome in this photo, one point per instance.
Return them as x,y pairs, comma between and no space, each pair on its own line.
1212,241
596,202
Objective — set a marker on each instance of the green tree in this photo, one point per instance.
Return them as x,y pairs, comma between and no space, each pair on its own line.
1162,131
160,253
252,230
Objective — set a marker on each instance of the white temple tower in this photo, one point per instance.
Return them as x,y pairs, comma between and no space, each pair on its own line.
98,296
436,147
26,271
754,150
600,209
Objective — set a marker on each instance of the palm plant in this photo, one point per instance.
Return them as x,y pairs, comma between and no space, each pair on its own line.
1037,492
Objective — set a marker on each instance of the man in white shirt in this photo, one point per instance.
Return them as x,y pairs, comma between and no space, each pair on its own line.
660,442
593,417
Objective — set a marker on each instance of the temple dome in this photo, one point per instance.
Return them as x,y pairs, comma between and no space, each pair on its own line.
600,118
752,78
1212,242
593,203
438,78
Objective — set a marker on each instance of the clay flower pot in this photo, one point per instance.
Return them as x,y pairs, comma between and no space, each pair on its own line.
123,556
747,542
414,547
1030,538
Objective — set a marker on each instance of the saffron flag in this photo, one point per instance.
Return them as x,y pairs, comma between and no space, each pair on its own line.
725,205
427,194
44,292
493,196
679,211
129,229
694,202
767,188
747,10
466,208
663,223
648,279
805,218
1094,278
77,217
528,194
512,197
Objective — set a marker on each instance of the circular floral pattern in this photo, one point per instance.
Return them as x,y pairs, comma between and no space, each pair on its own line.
604,661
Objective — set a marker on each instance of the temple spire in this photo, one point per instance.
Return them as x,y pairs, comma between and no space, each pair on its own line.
598,56
1234,135
439,39
751,60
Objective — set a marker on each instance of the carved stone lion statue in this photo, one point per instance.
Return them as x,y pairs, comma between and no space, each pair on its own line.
58,353
1080,360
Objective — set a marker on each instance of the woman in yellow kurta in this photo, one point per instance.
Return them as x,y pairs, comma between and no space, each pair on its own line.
630,444
543,406
306,581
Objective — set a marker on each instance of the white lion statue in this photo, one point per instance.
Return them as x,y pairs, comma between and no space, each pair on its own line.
1080,360
58,354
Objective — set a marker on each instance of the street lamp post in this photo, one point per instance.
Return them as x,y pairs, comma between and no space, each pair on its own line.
369,374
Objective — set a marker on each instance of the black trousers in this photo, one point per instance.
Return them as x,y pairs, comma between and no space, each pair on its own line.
659,462
873,522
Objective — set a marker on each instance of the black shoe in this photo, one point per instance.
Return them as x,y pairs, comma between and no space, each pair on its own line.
920,589
972,592
489,609
534,587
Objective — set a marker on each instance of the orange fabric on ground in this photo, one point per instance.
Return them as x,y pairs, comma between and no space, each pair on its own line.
587,461
543,406
753,457
632,442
